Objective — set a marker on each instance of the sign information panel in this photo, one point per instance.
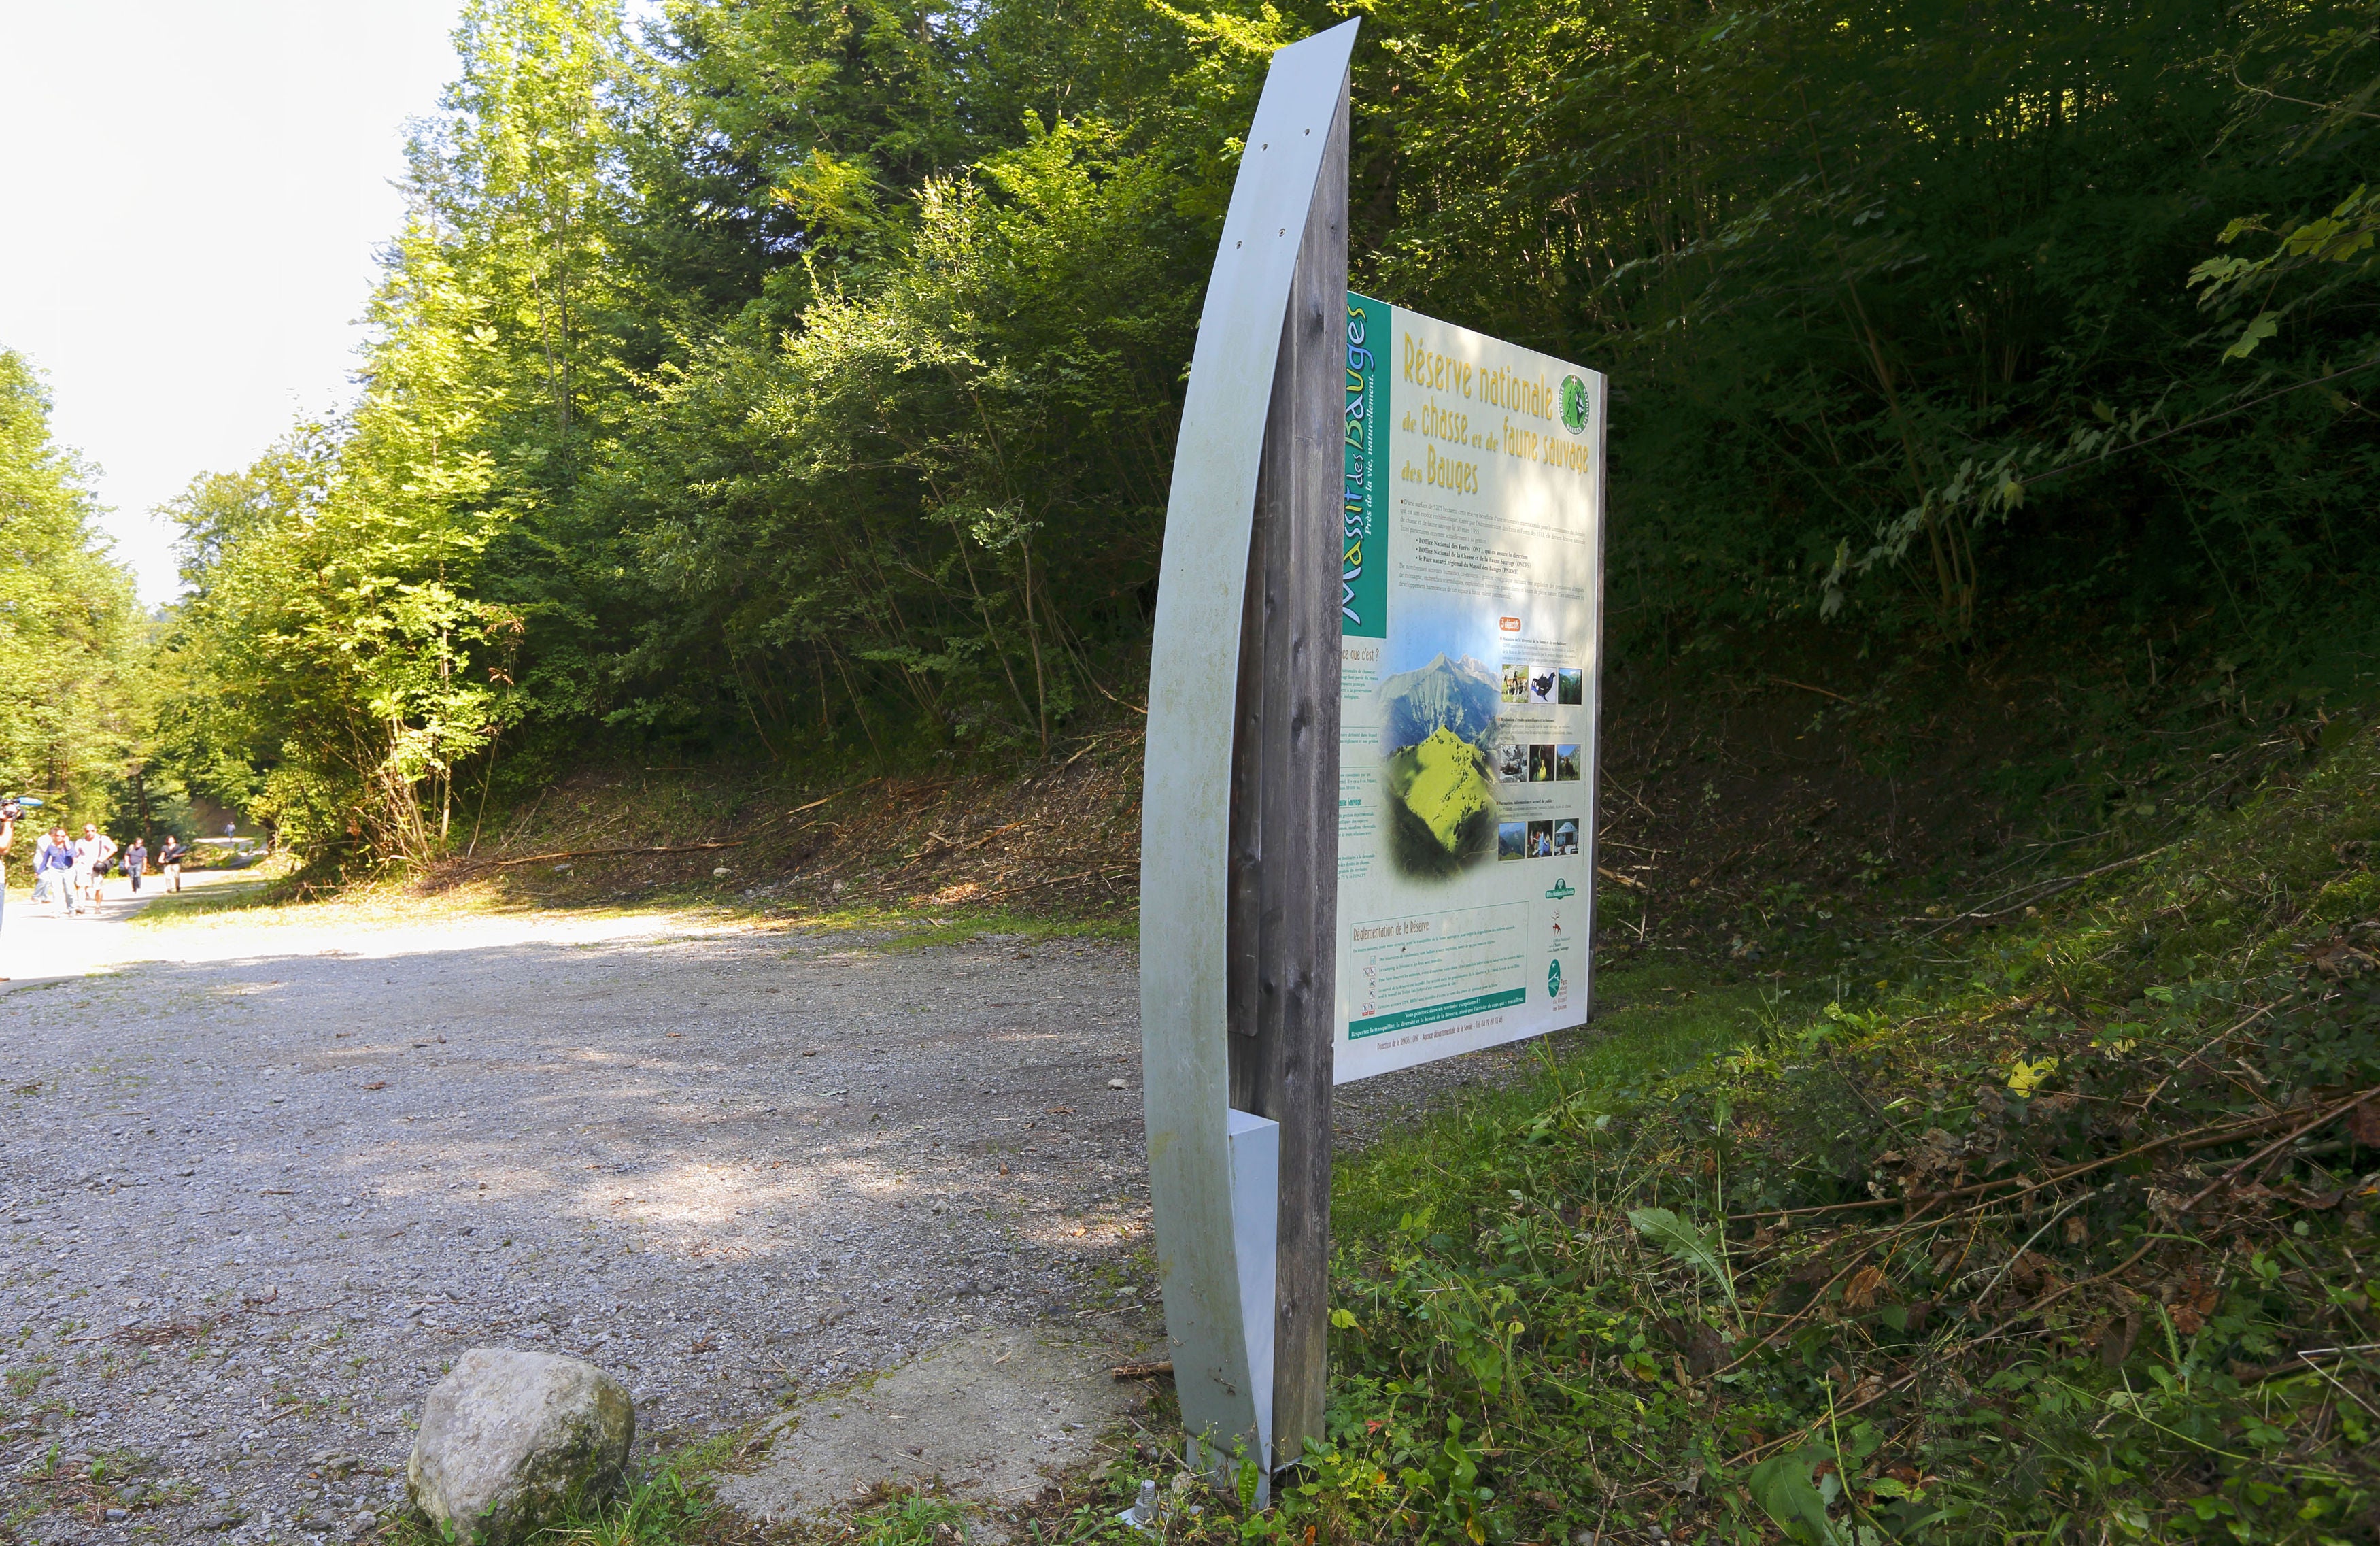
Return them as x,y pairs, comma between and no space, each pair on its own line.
1471,591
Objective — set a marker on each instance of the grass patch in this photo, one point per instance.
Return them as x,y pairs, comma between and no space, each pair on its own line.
946,927
1652,1022
670,1501
167,908
85,1487
2056,1224
908,1519
885,926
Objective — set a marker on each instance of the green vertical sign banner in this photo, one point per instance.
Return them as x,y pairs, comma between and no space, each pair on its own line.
1364,564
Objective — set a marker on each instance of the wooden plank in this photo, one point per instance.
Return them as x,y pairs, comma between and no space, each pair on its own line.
1285,892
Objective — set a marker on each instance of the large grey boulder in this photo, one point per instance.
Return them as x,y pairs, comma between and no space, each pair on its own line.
509,1441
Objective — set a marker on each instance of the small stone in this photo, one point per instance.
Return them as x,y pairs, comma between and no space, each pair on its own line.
226,1519
1118,1084
509,1439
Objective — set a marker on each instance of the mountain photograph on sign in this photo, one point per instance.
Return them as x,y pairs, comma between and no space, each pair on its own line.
1460,696
1436,725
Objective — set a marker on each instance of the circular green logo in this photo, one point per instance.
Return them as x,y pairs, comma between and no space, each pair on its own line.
1553,980
1576,404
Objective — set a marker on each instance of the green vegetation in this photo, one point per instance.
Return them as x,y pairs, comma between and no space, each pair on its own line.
796,384
1924,316
667,1502
89,1484
958,925
167,907
70,637
792,386
2017,1237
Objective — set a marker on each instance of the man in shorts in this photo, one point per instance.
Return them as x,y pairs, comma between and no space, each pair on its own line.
91,854
169,861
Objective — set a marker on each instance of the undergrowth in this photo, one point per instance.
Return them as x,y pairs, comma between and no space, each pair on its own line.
2056,1227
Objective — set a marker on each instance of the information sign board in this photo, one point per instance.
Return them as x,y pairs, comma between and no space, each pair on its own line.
1471,607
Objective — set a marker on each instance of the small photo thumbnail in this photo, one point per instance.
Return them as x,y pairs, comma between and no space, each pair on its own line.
1566,835
1570,684
1566,764
1512,762
1516,683
1541,839
1541,763
1541,683
1512,840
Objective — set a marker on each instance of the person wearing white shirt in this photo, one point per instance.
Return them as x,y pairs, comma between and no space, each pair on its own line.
92,852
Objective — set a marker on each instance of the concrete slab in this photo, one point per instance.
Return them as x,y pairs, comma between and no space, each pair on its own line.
992,1415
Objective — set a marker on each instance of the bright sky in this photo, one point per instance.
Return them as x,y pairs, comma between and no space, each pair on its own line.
190,195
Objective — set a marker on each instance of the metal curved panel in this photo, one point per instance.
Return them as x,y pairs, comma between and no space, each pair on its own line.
1185,815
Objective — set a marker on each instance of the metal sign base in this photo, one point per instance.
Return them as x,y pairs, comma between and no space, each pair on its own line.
1237,902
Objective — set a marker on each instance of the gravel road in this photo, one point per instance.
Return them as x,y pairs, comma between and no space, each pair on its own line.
259,1190
264,1178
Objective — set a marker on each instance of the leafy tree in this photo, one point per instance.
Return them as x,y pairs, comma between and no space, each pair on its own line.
802,377
68,628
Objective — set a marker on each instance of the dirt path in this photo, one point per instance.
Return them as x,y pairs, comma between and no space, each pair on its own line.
263,1180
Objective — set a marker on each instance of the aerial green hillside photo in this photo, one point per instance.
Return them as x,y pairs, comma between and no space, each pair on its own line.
1435,722
1443,808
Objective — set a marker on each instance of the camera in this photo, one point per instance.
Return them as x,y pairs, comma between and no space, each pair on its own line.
13,807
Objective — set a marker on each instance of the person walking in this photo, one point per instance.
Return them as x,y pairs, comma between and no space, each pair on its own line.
92,852
169,861
58,868
136,861
102,862
8,840
82,853
41,869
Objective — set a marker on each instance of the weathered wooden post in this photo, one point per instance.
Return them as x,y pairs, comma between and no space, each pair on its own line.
1240,835
1385,541
1283,927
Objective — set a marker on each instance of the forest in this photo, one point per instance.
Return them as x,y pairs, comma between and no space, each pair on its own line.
1974,1136
796,382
